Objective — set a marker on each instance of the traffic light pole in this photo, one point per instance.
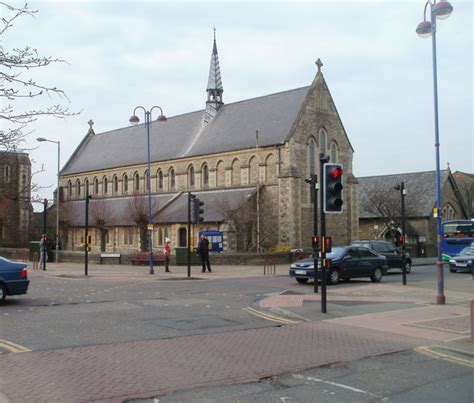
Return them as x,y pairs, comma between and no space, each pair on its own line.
86,249
404,269
323,159
314,189
45,220
189,234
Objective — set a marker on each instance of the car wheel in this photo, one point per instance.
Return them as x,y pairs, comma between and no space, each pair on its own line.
407,267
333,277
302,280
377,275
452,270
3,293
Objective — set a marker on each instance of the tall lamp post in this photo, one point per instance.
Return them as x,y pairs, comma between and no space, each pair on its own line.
440,10
42,139
134,120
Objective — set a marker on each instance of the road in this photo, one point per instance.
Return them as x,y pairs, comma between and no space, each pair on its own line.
61,312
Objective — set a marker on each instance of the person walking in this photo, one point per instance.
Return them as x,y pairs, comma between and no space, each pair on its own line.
203,250
167,255
43,250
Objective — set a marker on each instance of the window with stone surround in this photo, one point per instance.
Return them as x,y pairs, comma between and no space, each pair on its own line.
105,185
125,184
236,172
172,179
253,170
159,179
448,212
78,188
136,182
115,185
86,187
7,173
96,186
205,175
311,162
147,182
128,236
191,177
270,168
69,189
220,174
322,141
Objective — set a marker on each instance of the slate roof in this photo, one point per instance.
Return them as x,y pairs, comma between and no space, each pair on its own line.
184,136
420,186
172,207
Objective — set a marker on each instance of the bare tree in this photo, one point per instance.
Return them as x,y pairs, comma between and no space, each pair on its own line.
137,210
101,217
15,86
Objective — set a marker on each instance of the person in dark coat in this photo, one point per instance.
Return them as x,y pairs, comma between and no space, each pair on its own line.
203,250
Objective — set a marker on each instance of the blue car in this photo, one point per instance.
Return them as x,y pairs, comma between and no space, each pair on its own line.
13,278
346,262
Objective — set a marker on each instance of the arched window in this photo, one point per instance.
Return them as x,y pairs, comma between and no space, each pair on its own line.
78,188
69,189
147,182
253,170
334,152
86,187
236,172
270,168
220,174
125,184
448,213
191,177
7,173
205,175
105,185
182,237
159,179
322,141
96,186
311,156
115,185
136,182
172,179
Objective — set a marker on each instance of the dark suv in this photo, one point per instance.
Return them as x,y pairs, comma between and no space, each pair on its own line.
394,255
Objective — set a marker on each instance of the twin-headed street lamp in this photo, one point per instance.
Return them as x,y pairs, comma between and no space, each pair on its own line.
134,120
42,139
438,10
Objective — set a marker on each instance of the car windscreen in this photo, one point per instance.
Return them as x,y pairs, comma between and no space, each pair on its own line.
468,250
336,253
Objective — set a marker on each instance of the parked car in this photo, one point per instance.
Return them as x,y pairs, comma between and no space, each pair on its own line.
395,256
346,262
462,261
13,278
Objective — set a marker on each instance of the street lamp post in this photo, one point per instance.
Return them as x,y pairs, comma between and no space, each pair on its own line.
440,10
42,139
135,120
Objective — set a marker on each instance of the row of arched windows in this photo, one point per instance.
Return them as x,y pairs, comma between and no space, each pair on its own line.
129,185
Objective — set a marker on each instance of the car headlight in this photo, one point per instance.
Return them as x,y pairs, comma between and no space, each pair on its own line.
469,262
293,266
452,261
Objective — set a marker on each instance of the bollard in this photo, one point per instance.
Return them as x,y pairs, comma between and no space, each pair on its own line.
35,261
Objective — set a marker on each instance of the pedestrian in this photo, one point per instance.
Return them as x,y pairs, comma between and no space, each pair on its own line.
167,255
203,250
43,249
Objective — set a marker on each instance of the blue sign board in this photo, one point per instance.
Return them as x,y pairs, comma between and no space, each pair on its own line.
216,240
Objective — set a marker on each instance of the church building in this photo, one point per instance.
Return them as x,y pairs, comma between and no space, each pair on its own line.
247,161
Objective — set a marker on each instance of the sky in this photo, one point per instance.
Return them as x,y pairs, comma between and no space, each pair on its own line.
379,72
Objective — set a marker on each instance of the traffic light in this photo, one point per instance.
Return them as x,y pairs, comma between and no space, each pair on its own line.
316,242
326,246
196,211
332,188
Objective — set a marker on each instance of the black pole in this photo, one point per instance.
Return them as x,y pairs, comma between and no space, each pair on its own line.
189,234
314,189
86,251
323,159
45,220
404,271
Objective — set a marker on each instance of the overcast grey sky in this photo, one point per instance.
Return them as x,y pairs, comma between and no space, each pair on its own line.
379,72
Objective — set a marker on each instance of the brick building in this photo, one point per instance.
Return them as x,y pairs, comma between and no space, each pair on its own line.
15,199
214,153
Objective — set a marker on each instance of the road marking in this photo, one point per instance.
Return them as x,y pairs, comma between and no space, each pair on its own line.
340,385
12,347
273,318
446,357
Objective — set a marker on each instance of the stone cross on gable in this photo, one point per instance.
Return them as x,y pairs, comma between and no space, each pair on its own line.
319,63
91,123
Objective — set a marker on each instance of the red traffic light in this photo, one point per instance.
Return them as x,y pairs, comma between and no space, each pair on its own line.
336,172
315,242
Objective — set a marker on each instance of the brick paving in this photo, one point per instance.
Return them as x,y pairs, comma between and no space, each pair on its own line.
122,371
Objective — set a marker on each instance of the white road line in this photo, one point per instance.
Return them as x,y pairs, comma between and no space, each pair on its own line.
339,385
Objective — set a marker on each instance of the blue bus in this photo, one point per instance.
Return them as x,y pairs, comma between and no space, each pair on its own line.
455,236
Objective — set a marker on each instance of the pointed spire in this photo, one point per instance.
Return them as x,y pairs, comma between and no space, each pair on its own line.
214,86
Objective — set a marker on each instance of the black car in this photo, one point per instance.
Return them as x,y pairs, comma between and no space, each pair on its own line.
346,262
463,261
396,258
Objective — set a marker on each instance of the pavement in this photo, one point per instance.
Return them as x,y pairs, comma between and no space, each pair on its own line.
362,321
